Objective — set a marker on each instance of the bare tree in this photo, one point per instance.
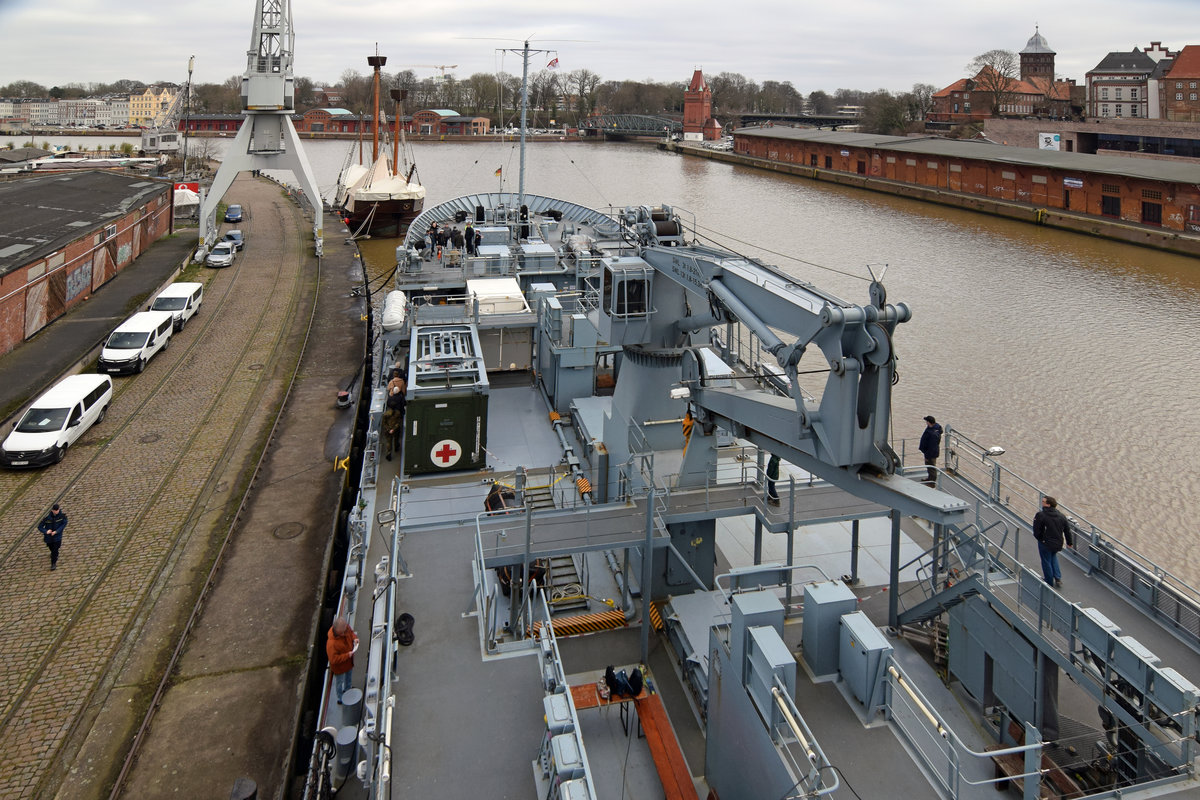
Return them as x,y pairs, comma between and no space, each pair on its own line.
582,83
23,89
995,73
733,92
820,103
920,100
217,98
357,92
884,112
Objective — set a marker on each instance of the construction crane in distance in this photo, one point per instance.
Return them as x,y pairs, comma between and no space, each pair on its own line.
442,67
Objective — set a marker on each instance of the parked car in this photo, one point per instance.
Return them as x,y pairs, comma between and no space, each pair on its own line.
136,340
237,239
56,420
221,255
233,213
182,300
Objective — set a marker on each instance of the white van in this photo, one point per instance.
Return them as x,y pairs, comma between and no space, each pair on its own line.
136,340
181,299
56,420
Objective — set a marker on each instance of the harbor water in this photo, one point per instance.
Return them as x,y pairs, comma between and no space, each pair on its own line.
1069,352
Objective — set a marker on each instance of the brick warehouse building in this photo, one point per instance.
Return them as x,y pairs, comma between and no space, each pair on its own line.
62,236
1159,193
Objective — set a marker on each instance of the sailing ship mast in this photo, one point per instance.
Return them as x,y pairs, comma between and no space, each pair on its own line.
376,61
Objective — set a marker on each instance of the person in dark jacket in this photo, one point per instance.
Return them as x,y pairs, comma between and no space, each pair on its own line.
52,526
930,447
1052,530
772,477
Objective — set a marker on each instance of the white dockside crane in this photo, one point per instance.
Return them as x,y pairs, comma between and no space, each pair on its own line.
267,138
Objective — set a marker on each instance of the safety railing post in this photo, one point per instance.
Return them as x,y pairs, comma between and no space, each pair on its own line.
1033,764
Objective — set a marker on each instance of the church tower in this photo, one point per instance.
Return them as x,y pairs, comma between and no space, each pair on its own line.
697,107
1037,59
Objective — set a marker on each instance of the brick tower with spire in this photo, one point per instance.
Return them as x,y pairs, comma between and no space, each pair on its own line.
698,122
1037,59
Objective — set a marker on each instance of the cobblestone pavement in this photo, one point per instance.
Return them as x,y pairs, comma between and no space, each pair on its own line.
134,488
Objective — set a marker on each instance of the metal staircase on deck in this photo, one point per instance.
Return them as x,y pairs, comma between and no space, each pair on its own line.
539,498
565,585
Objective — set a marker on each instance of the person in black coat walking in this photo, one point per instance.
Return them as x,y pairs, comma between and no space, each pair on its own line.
52,526
930,447
1052,530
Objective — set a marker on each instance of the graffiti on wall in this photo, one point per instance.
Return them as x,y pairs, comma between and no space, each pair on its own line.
79,281
124,252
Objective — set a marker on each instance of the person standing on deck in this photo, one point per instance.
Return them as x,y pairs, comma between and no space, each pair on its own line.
772,476
469,238
392,424
930,447
52,526
1052,530
340,647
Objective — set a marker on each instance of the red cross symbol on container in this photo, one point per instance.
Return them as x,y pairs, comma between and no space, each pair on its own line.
445,453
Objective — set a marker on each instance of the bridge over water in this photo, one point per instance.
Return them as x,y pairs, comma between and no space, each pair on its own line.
652,125
630,125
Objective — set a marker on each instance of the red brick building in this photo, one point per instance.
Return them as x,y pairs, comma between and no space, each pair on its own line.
213,123
1035,93
446,122
698,121
1180,92
63,241
1158,193
968,99
330,120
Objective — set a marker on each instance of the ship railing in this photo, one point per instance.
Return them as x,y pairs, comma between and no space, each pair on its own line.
517,632
1071,636
999,492
799,746
953,766
375,745
970,550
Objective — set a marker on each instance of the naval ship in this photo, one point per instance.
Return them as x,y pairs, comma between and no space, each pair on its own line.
580,578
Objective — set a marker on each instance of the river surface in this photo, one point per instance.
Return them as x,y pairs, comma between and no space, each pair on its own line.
1070,352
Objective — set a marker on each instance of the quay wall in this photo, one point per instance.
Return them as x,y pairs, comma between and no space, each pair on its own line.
1174,241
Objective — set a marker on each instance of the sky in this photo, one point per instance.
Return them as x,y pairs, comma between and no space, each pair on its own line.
852,44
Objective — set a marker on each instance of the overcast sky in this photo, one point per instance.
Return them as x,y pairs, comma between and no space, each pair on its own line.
853,44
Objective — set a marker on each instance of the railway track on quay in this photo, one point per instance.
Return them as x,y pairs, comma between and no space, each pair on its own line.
150,494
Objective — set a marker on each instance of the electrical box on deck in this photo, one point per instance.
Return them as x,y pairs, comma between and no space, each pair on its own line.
824,605
863,653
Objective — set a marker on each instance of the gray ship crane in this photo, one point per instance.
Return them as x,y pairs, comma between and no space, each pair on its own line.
841,437
267,138
163,135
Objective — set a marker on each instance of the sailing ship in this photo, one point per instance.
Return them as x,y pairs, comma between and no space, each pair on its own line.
383,197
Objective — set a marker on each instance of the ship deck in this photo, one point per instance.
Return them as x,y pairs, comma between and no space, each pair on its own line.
468,722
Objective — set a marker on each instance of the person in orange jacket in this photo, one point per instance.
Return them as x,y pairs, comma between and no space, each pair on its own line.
340,647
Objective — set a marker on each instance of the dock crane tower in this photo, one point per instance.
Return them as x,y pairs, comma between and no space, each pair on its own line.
267,138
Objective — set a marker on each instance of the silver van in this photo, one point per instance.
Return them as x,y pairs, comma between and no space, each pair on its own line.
56,420
136,340
182,300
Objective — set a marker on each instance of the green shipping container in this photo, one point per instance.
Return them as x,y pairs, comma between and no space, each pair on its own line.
445,432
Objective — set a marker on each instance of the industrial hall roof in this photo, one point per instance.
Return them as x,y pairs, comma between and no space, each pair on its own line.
40,215
1144,168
